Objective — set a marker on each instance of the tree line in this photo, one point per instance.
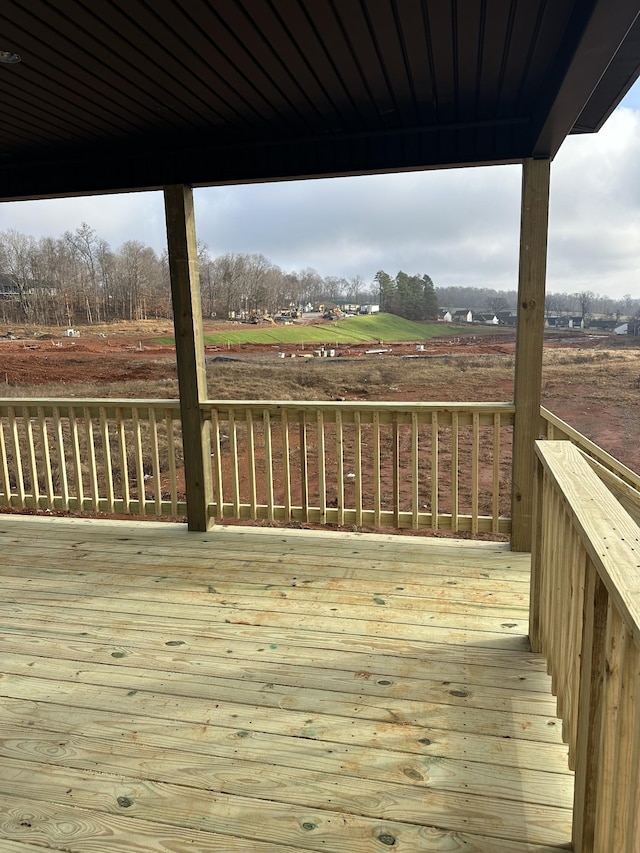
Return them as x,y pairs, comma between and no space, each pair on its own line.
79,279
584,303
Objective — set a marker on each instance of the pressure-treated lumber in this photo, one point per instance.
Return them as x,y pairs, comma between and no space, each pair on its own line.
588,626
192,380
529,338
271,689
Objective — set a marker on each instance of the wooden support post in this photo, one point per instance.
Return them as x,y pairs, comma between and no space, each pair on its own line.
187,313
530,330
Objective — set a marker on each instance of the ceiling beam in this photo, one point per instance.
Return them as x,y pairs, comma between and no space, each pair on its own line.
124,168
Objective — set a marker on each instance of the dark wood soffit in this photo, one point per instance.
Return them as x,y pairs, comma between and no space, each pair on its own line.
125,95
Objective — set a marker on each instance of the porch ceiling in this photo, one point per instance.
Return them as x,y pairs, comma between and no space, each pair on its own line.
130,95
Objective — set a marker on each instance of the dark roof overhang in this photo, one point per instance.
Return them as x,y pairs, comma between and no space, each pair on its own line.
125,95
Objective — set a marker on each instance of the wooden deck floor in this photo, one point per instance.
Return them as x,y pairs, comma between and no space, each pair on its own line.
268,690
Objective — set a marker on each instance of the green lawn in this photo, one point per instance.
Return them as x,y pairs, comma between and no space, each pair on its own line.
352,330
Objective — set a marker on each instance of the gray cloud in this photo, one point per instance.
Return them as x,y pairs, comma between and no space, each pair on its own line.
594,238
460,226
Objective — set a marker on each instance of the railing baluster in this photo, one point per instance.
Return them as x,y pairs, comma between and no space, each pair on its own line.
251,460
268,459
155,460
357,421
217,458
455,500
91,453
495,511
304,467
475,459
13,425
435,509
396,469
578,574
106,451
340,466
415,470
286,463
4,467
62,459
233,453
171,451
589,710
124,461
615,642
137,444
31,452
376,469
77,459
626,824
46,457
550,521
560,611
322,471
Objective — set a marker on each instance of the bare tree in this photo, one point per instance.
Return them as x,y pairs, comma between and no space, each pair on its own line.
585,299
497,303
17,252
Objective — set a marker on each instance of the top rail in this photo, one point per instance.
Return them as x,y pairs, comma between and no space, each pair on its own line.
92,405
555,429
368,412
608,533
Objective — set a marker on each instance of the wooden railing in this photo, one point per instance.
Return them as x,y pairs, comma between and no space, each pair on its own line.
442,466
555,429
97,456
585,619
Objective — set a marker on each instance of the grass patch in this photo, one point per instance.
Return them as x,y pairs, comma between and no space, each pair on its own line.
352,330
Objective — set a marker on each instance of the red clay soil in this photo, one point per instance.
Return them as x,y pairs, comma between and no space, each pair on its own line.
127,357
122,355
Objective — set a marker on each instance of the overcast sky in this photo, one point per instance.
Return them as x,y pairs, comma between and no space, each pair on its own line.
460,226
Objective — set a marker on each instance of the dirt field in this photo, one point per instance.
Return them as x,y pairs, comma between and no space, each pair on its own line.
593,382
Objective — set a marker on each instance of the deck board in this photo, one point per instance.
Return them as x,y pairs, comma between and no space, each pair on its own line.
269,690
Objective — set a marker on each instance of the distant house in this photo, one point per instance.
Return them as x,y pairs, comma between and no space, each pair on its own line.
487,319
444,315
633,327
463,316
507,318
8,288
603,325
556,322
565,321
